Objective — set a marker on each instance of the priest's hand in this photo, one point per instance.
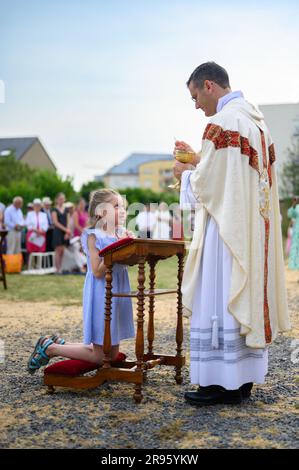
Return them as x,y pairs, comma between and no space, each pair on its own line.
181,145
179,168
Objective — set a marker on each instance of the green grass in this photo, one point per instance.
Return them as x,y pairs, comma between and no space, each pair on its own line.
43,288
67,290
166,274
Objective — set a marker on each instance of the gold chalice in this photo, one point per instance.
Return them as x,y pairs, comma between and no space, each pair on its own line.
182,156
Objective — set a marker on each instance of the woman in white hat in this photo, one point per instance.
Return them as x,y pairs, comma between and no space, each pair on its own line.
37,226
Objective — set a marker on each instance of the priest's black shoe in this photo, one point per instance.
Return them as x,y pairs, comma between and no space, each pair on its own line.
246,389
208,389
214,396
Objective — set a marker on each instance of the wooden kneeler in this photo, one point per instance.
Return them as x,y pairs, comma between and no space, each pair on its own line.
131,252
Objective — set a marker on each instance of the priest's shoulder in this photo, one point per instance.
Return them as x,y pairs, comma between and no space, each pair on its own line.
227,119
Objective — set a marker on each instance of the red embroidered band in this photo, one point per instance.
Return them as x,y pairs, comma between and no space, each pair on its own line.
267,325
223,139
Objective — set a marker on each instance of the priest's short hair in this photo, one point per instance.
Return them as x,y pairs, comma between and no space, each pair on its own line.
209,71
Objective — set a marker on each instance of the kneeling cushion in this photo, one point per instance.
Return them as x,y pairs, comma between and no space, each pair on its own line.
74,367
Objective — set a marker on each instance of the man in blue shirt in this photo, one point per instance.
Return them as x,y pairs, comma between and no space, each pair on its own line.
14,221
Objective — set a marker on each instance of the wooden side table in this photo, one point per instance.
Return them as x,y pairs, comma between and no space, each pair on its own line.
139,252
3,234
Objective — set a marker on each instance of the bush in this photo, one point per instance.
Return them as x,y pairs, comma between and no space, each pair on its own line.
87,188
18,179
146,196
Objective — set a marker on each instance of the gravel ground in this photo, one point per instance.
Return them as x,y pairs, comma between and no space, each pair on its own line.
107,417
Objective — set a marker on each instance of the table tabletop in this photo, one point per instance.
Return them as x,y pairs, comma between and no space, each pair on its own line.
145,250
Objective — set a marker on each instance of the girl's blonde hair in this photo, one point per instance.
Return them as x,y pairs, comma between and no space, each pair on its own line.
99,196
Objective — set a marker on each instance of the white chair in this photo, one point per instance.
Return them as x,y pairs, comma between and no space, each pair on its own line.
41,263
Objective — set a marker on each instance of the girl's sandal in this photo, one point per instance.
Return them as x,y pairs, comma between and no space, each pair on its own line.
56,339
39,357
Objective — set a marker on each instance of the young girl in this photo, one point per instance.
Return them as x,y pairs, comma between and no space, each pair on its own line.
107,216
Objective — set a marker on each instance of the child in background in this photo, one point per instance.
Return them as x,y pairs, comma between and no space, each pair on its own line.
107,215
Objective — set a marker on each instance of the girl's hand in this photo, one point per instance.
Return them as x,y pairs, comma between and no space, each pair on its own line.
128,233
68,232
102,267
100,270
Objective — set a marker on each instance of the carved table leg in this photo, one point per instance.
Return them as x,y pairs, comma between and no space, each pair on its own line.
151,326
108,307
140,321
179,329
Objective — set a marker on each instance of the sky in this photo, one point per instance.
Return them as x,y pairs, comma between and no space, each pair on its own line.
96,80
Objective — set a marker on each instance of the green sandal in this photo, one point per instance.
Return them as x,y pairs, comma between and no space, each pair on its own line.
39,357
56,339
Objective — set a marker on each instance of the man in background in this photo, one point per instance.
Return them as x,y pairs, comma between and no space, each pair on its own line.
14,221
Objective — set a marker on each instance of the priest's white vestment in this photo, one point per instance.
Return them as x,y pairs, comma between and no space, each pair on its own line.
234,276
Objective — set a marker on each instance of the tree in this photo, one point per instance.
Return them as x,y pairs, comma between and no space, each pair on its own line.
87,188
48,183
13,170
146,196
18,179
290,170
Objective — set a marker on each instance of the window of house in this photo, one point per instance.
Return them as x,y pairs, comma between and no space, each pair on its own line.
5,153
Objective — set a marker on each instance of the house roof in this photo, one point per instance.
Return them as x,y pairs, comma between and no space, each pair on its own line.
19,145
129,166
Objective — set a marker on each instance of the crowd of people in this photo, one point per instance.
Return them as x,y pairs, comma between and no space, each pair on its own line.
158,222
57,226
46,227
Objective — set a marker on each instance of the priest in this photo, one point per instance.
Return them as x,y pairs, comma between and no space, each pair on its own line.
233,285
